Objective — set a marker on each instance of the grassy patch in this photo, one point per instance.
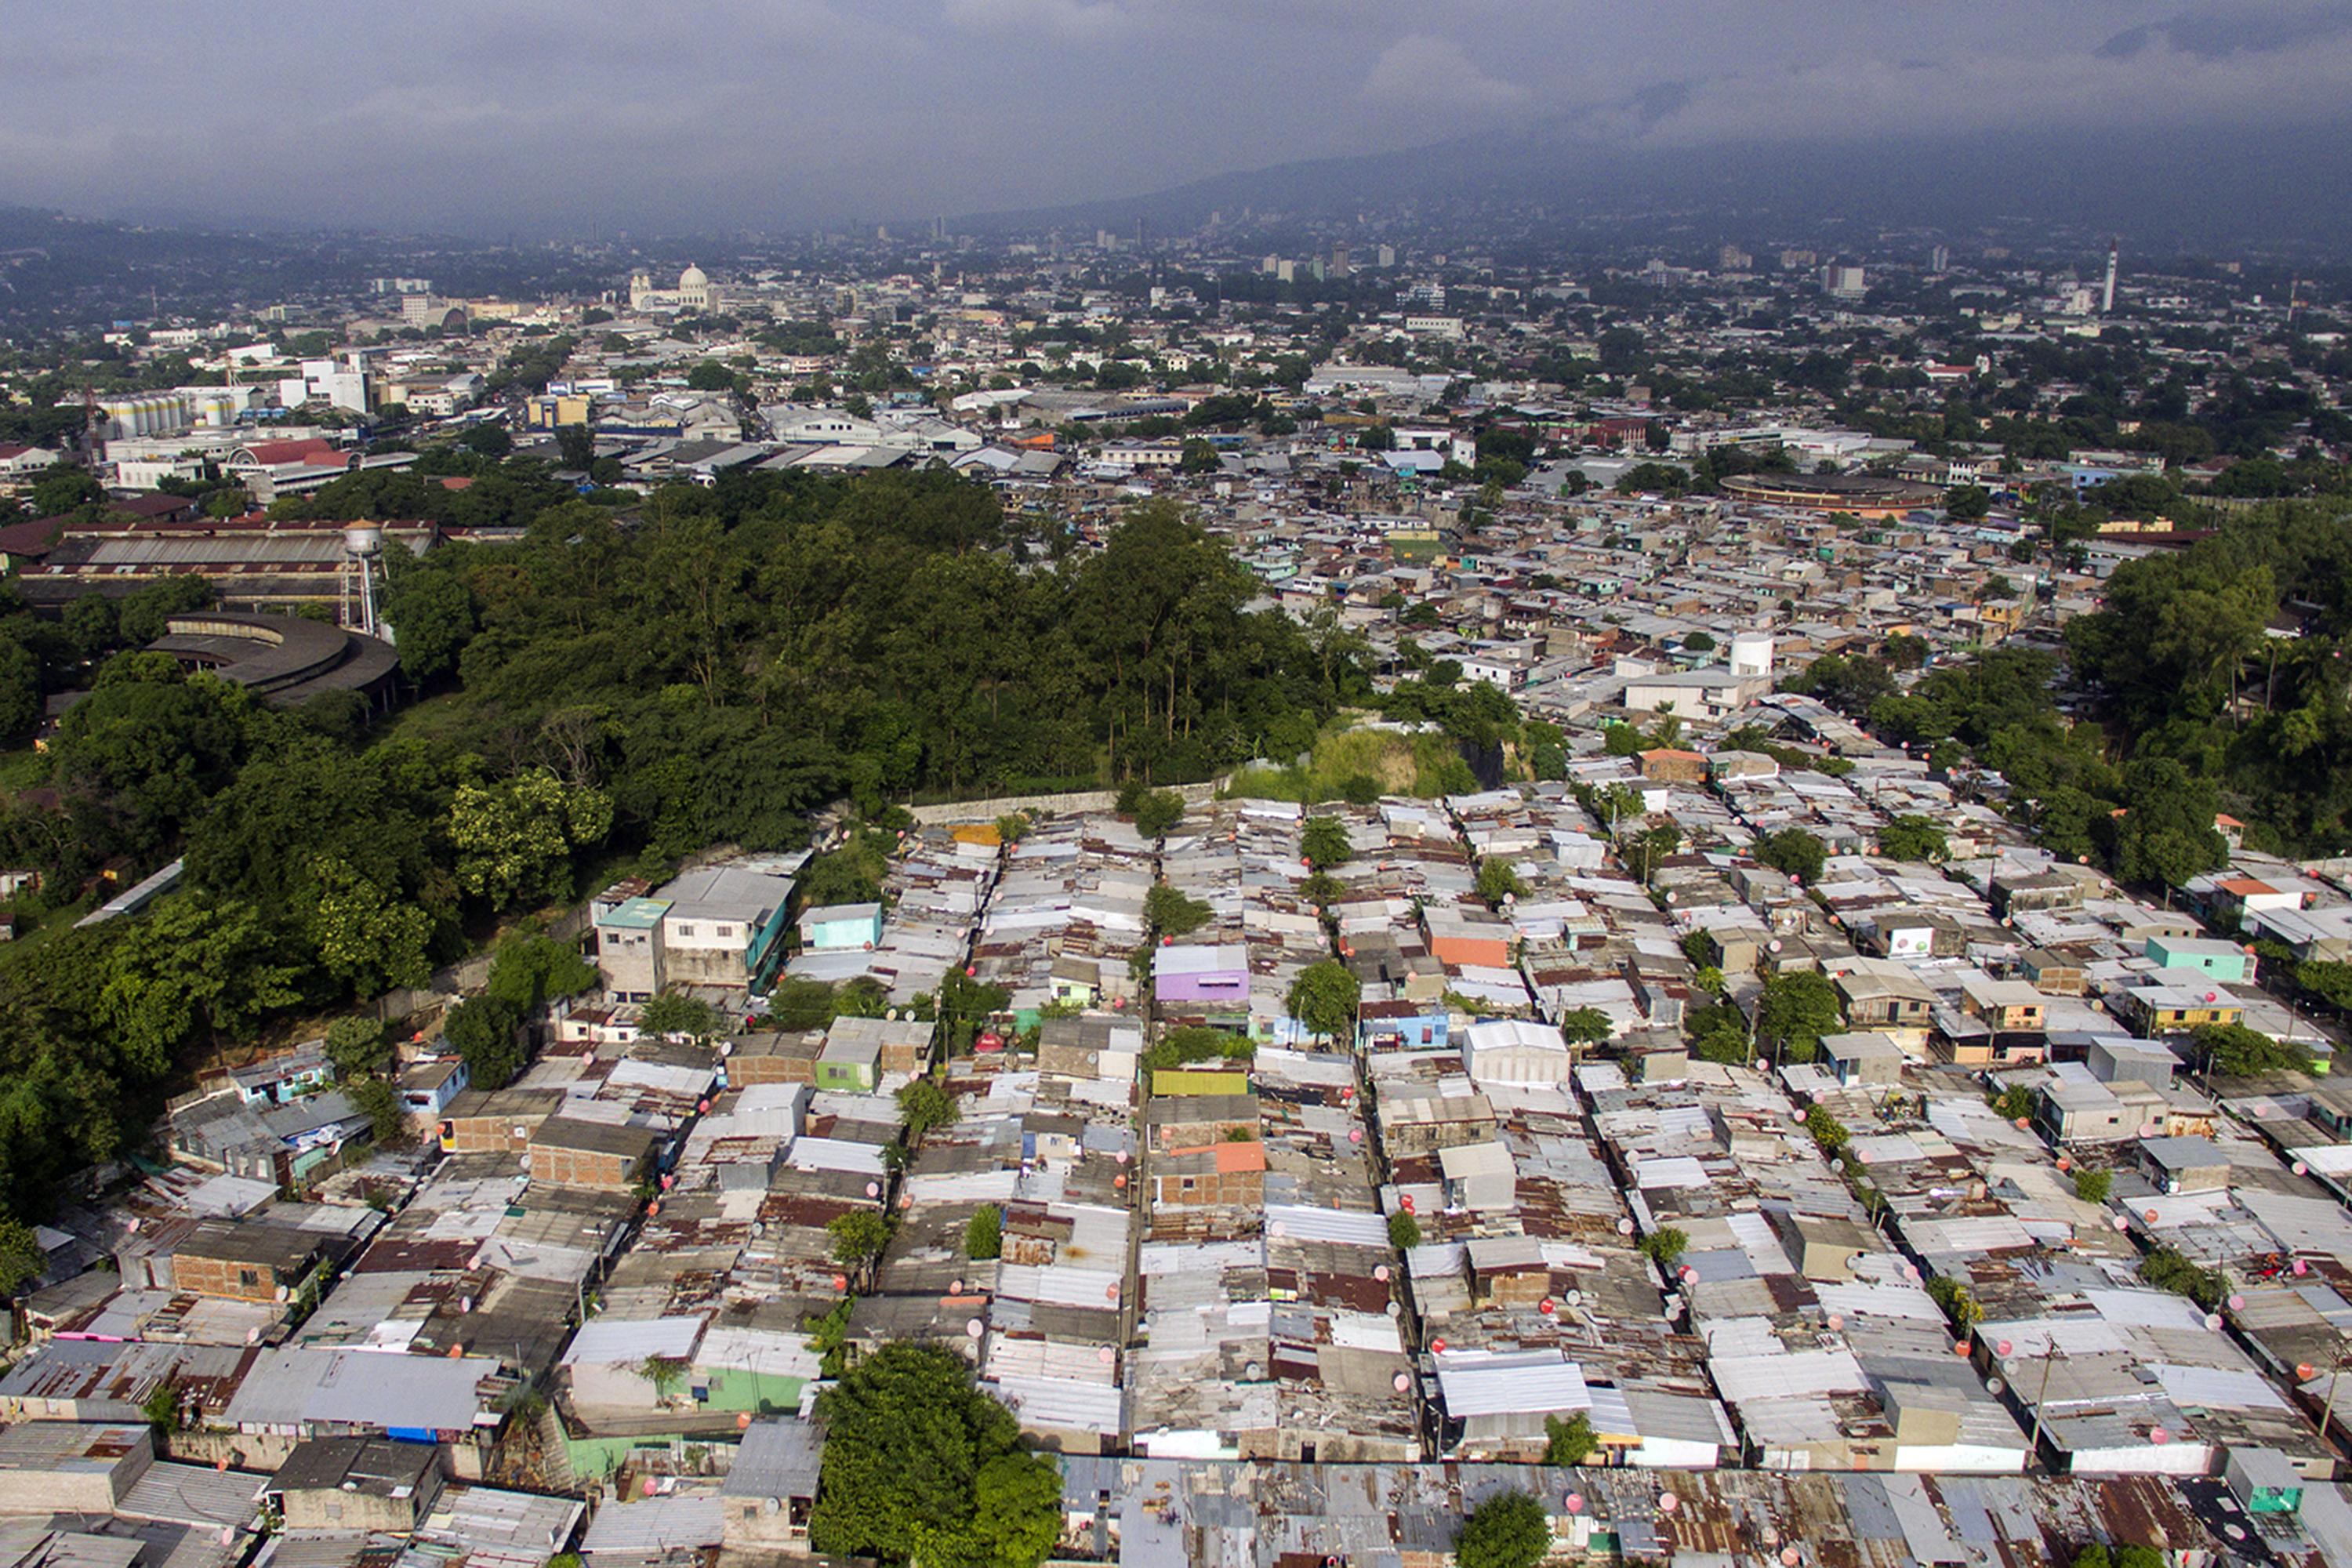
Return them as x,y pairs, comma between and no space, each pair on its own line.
1363,764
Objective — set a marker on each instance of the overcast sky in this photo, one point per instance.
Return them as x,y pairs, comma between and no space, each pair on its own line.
529,116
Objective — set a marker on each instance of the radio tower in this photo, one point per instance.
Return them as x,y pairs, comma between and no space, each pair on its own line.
2107,294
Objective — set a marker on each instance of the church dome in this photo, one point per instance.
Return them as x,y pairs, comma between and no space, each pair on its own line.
692,277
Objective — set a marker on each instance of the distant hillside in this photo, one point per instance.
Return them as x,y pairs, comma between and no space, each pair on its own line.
2218,190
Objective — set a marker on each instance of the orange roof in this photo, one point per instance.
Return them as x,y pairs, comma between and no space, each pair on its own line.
1232,1157
1678,755
2243,886
2223,819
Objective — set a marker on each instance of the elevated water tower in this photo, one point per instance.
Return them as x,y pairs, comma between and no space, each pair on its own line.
363,569
1751,655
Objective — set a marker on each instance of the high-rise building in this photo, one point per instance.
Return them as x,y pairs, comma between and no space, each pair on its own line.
1339,258
1387,255
2108,293
1940,259
1843,283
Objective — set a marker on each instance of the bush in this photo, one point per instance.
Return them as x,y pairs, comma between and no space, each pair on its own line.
1569,1442
1404,1231
2168,1269
1663,1246
983,1234
2093,1186
1498,881
1830,1135
1958,1304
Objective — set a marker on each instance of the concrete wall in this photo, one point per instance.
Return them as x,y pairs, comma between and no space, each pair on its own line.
1050,805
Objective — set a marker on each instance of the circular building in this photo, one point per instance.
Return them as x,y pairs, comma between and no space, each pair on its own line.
285,659
1862,495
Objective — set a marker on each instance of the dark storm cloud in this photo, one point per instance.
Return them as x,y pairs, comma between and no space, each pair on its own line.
534,115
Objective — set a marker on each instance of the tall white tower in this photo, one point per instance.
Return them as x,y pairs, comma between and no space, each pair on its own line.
362,563
2107,294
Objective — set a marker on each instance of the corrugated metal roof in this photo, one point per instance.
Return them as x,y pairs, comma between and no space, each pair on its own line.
1335,1226
612,1341
1497,1383
656,1526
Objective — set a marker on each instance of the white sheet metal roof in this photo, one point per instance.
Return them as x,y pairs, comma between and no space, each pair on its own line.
614,1342
1337,1226
1676,1171
1795,1375
1500,1383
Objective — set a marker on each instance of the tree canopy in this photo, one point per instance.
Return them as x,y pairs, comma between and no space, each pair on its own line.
920,1464
1509,1530
1324,997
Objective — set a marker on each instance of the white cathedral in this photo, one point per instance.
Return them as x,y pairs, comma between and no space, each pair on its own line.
693,292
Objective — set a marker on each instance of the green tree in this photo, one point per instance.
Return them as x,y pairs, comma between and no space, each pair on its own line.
1665,1245
1158,811
2168,1269
575,446
514,838
1016,1517
1829,1134
983,1234
376,1099
2093,1186
1586,1026
858,1238
366,935
531,971
63,488
1960,1304
1198,457
194,972
22,1261
434,616
1653,844
1911,838
674,1013
488,439
1325,996
358,1047
2329,981
1794,852
925,1104
2233,1051
1404,1231
1172,912
1796,1010
1324,843
1498,882
1967,503
486,1031
1569,1442
1509,1530
906,1439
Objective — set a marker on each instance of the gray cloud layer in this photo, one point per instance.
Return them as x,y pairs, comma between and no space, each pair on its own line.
526,115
